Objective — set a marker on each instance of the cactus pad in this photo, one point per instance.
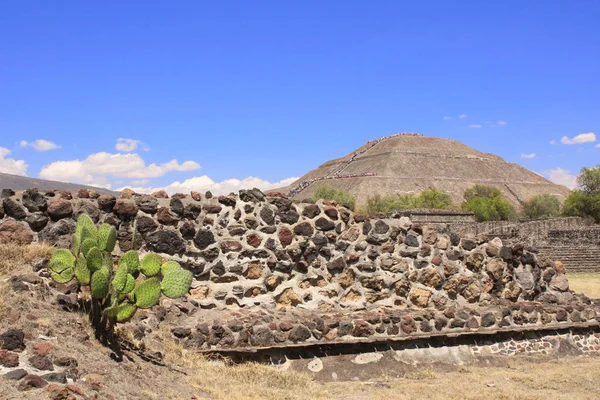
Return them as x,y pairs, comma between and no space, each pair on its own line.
87,245
84,220
64,276
64,256
132,260
76,243
147,293
57,266
129,284
94,259
99,284
176,283
107,237
150,265
125,311
169,266
82,272
120,278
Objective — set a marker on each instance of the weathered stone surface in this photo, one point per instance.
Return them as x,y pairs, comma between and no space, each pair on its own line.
560,283
230,246
15,375
165,217
34,201
164,241
12,231
14,209
204,238
9,359
31,382
147,204
125,208
42,363
106,202
12,340
304,229
60,208
288,298
324,224
420,296
285,236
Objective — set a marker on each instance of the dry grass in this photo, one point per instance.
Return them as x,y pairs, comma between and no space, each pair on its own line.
244,381
587,283
14,256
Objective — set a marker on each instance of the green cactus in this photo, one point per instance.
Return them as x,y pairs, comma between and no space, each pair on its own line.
64,256
151,264
99,284
120,278
147,293
132,260
107,237
169,266
129,284
176,283
118,292
82,272
125,311
84,220
87,245
94,259
64,276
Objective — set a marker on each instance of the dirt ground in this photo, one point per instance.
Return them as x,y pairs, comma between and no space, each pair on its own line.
191,376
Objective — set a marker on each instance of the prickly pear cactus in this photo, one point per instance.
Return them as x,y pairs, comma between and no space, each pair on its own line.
176,283
147,293
119,290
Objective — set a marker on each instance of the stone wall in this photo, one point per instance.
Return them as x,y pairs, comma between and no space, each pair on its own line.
252,250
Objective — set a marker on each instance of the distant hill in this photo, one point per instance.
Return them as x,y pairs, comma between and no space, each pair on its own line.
17,182
411,163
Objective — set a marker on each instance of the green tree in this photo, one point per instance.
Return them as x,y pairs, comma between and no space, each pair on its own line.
542,206
327,192
487,204
585,201
589,180
435,199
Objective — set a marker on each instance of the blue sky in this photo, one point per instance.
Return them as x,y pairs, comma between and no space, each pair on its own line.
271,89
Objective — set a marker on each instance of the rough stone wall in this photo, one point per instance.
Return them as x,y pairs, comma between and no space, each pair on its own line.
251,250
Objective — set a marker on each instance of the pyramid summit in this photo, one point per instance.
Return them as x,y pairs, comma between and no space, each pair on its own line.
409,163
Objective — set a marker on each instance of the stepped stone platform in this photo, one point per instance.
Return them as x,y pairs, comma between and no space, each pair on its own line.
271,274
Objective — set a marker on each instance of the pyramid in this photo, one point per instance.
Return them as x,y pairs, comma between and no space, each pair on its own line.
409,163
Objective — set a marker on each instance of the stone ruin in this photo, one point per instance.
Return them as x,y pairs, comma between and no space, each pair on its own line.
273,273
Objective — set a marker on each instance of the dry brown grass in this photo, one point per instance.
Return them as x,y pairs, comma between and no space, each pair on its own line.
14,256
587,283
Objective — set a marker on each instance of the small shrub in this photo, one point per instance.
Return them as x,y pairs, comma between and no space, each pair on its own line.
327,192
487,204
541,206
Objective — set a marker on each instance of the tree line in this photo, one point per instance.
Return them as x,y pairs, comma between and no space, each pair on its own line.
486,202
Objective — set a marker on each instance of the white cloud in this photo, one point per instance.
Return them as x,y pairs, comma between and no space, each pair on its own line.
204,183
553,142
128,145
462,116
597,146
581,138
562,177
10,165
530,155
447,117
99,167
39,145
501,122
475,126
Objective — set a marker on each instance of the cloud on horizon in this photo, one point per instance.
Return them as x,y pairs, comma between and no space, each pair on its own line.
475,126
579,139
10,165
529,156
98,168
128,145
561,177
204,183
39,145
